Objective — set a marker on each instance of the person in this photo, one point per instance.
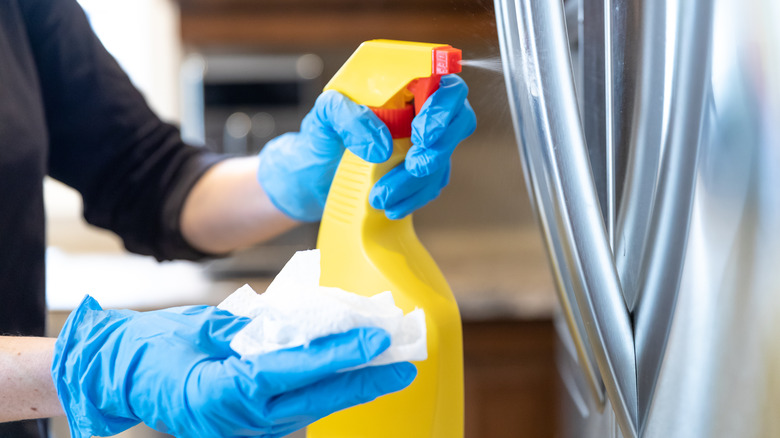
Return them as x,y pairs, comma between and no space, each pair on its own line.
67,110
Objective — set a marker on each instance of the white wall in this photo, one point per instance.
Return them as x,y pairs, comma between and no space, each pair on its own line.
144,37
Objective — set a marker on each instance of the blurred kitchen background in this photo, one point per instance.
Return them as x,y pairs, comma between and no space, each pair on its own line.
236,73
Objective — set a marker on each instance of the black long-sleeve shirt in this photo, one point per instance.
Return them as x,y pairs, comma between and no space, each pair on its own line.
68,110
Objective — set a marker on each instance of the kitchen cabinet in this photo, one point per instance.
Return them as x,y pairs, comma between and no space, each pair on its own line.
510,378
287,25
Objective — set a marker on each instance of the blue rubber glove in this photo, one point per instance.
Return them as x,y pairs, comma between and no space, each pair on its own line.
174,370
444,121
297,169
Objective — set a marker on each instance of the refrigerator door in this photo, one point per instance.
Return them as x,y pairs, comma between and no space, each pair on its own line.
719,375
656,189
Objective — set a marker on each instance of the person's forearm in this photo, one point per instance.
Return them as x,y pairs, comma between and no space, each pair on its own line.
228,209
26,386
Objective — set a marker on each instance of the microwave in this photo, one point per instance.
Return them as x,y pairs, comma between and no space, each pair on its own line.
233,103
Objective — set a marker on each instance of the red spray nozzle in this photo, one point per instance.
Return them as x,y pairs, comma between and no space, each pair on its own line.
446,60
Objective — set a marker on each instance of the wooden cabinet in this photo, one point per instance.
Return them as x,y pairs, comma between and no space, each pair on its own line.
511,379
295,24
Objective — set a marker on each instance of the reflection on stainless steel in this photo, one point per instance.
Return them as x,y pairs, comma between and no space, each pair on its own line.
662,264
596,107
609,49
719,375
644,143
538,74
680,105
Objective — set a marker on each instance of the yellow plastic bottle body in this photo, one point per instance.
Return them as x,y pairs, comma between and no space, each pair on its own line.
364,252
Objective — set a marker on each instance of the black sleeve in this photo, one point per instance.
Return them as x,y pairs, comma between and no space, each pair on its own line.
132,170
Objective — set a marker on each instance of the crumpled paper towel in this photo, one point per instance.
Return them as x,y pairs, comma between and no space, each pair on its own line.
295,310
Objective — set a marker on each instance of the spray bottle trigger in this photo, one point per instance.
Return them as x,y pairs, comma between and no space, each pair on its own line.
422,89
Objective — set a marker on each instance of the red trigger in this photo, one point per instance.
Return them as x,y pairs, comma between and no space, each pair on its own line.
422,89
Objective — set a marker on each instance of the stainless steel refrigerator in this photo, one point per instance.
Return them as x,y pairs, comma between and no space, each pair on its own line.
650,137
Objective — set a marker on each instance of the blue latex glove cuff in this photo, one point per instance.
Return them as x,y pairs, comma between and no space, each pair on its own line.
84,417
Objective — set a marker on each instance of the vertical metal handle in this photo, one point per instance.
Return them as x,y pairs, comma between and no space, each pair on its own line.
660,265
539,80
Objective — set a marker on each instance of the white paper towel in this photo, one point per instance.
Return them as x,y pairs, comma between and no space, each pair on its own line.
295,310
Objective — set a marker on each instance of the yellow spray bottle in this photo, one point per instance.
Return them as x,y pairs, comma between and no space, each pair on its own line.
364,252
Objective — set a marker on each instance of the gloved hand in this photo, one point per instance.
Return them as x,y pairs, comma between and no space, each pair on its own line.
297,169
444,121
174,370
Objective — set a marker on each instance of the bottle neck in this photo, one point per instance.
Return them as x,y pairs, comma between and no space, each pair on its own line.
398,120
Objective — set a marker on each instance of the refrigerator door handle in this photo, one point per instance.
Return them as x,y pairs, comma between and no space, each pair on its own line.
660,266
542,98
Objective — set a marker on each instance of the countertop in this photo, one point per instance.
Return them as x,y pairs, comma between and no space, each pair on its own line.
496,273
